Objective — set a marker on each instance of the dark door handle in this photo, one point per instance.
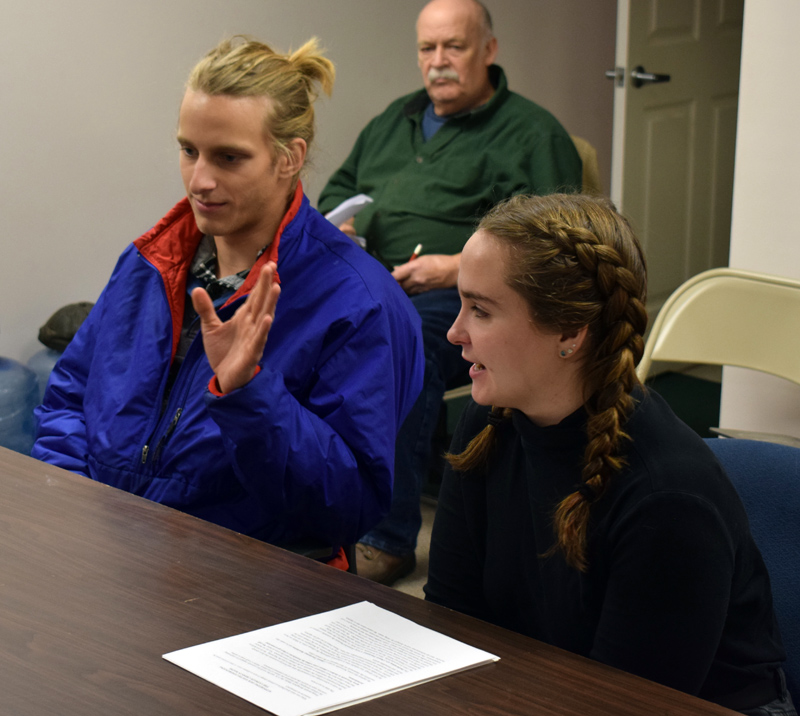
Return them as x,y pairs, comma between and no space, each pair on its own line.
639,77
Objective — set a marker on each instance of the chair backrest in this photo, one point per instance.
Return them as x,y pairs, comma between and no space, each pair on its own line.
730,317
767,478
590,179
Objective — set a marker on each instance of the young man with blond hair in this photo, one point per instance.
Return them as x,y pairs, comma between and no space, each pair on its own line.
246,363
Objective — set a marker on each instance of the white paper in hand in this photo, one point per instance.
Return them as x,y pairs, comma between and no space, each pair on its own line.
348,209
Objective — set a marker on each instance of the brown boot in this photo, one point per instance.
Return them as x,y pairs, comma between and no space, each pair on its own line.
382,567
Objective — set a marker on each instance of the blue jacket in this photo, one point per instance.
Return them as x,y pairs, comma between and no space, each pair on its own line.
305,450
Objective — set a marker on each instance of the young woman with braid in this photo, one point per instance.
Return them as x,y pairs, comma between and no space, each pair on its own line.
579,509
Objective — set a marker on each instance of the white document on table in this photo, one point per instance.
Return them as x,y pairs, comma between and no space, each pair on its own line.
348,209
328,661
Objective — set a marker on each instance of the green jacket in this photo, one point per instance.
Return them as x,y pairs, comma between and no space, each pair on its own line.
434,192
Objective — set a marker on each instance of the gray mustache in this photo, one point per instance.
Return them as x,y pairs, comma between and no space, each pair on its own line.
445,74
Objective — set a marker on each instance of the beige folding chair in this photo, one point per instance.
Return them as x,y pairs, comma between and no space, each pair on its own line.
730,317
591,171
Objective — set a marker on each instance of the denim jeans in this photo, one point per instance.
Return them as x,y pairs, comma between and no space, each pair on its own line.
444,367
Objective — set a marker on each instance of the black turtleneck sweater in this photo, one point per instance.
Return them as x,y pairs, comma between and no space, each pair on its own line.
675,591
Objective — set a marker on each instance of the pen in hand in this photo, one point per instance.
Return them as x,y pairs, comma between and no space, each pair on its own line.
416,252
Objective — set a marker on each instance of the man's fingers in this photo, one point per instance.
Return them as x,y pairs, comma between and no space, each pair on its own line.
402,272
204,306
263,332
348,227
254,303
264,296
272,300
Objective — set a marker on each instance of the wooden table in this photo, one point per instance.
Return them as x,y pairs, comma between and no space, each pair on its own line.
96,584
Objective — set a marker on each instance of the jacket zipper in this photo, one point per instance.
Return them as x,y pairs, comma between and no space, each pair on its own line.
166,436
180,390
185,383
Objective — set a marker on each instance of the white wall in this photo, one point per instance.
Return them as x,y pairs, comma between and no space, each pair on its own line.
89,92
765,234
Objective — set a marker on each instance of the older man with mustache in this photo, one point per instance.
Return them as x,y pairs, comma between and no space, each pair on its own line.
434,162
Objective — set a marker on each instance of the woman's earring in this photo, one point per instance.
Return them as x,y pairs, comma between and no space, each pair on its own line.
567,352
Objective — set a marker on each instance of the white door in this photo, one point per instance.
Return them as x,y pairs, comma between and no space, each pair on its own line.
674,141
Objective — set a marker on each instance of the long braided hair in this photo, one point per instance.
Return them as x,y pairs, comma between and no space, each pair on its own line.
576,262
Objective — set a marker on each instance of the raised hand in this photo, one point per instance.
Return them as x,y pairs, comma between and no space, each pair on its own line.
233,348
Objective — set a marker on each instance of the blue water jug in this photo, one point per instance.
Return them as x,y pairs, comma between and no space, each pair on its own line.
19,393
42,363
